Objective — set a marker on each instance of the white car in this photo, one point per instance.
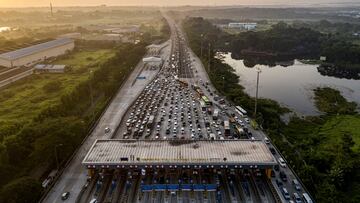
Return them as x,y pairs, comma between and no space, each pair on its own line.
266,140
282,162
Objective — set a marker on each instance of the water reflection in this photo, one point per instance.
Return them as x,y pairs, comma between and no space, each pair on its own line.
333,71
291,83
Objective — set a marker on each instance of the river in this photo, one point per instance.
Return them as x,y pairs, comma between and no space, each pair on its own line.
291,86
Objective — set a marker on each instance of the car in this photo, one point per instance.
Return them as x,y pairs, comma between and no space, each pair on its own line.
282,162
266,140
247,120
276,168
285,193
107,130
93,201
272,150
283,176
279,183
297,198
296,184
65,195
273,173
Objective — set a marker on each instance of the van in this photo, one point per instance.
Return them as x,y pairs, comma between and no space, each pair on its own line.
282,162
285,193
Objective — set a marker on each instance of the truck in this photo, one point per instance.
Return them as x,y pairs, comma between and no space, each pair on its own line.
216,114
209,110
202,105
239,130
150,123
227,128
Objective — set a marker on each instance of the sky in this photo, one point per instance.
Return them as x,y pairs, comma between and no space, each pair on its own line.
37,3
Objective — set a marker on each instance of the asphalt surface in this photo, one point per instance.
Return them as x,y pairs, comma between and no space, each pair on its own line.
170,95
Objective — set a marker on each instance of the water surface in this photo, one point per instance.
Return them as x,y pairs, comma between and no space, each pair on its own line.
292,86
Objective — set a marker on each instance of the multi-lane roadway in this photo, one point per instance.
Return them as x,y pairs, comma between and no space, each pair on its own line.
166,105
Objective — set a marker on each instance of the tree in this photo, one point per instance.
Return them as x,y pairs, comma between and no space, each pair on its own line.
22,190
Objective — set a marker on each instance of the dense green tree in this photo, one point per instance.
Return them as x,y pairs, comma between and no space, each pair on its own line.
22,190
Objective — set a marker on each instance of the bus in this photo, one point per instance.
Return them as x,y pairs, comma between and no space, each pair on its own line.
307,198
206,100
227,128
240,110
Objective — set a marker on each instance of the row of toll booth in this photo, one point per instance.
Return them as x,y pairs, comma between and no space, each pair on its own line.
179,187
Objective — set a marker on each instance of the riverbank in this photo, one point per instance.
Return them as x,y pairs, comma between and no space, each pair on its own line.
323,150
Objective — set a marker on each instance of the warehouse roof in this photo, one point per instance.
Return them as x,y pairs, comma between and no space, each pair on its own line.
35,48
178,152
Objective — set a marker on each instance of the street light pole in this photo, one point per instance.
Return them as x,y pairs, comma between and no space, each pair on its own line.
201,46
209,58
56,155
257,90
223,83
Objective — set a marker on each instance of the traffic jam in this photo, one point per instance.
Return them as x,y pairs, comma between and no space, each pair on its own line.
178,105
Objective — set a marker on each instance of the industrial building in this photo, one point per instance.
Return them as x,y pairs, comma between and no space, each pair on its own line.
244,26
44,68
36,53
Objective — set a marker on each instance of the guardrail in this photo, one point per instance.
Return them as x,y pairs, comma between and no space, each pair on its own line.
16,78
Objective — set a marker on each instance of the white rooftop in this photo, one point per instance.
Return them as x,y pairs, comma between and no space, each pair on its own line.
152,59
149,152
49,67
35,48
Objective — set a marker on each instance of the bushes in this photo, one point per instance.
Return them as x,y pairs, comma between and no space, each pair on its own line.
52,86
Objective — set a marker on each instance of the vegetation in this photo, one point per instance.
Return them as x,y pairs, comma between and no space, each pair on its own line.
323,150
25,99
24,189
56,117
330,101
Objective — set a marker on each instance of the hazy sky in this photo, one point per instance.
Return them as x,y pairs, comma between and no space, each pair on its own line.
26,3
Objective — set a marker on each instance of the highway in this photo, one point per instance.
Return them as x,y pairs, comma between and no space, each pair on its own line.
166,105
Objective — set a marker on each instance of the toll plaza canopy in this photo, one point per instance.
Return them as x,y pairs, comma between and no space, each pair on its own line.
119,153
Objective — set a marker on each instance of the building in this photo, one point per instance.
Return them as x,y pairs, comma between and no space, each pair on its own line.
152,59
36,53
44,68
241,154
243,26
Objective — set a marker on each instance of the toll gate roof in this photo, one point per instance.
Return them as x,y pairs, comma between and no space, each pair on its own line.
119,153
